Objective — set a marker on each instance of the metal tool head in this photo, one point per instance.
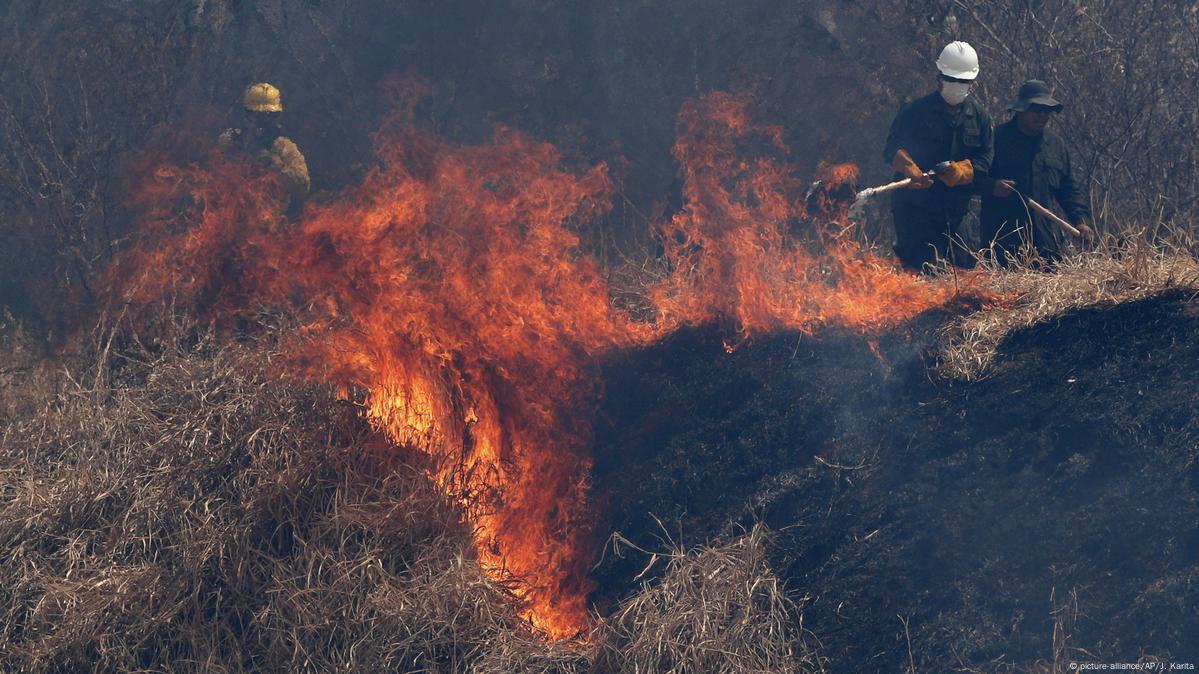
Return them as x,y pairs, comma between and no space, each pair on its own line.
824,196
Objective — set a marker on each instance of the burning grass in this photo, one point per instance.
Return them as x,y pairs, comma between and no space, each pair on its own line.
1108,276
175,505
451,284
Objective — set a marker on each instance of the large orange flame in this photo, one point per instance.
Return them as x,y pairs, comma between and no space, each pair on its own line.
450,285
733,246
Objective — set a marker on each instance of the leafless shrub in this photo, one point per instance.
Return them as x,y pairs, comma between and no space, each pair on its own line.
79,84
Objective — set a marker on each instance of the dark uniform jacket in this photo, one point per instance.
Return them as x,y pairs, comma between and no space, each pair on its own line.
932,134
1041,168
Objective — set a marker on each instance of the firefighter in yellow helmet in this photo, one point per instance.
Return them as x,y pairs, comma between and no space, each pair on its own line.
261,137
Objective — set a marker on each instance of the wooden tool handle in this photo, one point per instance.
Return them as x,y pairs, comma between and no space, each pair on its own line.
1070,229
871,191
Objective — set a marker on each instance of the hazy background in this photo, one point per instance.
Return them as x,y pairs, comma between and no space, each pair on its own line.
84,83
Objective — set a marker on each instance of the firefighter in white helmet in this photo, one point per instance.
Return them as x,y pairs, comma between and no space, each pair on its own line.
261,137
945,128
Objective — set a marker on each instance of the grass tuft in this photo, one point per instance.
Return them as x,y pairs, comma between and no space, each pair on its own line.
1112,274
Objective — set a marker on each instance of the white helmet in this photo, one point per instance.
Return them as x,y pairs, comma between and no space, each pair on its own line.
959,61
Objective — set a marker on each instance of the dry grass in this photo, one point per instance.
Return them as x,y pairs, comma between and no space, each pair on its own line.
1110,275
188,511
716,609
182,508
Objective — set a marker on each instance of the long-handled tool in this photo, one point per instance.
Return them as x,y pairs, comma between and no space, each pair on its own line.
898,184
821,193
1070,229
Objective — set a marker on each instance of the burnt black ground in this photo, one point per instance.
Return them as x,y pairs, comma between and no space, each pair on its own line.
1062,487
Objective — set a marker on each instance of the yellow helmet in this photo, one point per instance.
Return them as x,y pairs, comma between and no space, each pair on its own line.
262,97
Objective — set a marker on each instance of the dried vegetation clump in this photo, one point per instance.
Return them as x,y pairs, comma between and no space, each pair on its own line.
178,506
1108,276
715,609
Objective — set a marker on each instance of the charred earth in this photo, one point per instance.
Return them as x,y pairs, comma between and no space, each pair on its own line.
1042,513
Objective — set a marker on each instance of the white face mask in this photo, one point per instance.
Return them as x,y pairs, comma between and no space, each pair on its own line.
955,92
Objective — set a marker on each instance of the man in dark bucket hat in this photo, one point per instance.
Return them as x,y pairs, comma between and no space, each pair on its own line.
1034,93
1030,163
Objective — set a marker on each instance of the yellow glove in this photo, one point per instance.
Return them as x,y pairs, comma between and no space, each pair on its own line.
904,166
287,159
957,173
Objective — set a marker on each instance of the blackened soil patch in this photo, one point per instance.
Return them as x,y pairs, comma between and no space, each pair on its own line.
1063,488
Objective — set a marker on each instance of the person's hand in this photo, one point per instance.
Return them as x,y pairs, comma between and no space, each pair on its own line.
957,173
1085,232
1004,188
906,167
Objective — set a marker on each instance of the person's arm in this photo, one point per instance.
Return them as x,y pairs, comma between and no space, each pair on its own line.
900,135
975,160
982,157
1073,198
896,153
290,162
983,182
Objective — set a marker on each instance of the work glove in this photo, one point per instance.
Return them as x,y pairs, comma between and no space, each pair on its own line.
957,173
904,166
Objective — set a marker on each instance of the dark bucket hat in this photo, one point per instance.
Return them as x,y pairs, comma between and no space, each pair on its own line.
1034,92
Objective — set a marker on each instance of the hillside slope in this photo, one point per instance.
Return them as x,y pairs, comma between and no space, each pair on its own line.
976,523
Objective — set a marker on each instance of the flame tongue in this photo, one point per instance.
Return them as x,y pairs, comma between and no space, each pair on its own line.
465,287
449,284
734,236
